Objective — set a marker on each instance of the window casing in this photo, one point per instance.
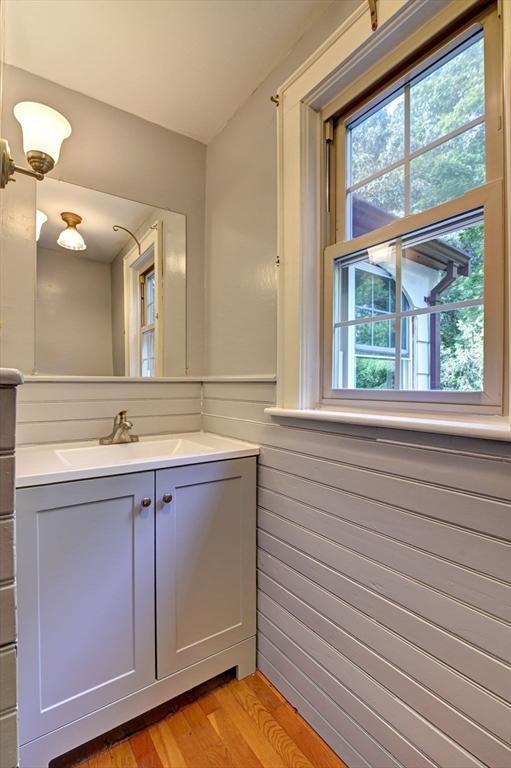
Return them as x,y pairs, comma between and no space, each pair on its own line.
405,237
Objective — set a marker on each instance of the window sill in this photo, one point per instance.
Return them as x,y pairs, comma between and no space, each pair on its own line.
489,427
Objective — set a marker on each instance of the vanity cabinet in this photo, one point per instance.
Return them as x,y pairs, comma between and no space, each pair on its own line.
129,586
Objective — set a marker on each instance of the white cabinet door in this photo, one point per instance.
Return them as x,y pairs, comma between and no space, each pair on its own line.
205,560
85,564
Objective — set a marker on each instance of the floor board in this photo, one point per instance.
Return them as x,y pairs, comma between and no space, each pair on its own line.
241,724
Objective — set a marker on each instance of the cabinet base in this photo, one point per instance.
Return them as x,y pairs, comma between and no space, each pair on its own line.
39,752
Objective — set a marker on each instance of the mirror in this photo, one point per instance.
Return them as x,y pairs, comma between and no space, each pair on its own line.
110,295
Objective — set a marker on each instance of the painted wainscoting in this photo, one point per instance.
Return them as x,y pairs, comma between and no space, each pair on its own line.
60,411
9,381
384,565
384,599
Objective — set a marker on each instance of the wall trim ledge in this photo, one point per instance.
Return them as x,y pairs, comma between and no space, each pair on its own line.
54,379
490,428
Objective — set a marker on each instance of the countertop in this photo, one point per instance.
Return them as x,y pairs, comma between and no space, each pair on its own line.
63,462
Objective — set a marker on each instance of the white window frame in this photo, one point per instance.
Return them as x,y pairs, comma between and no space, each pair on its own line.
135,264
489,198
302,228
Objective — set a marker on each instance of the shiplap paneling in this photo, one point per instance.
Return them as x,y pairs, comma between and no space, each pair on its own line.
9,381
58,391
453,651
480,475
67,411
384,577
347,658
276,577
430,501
384,566
489,595
453,616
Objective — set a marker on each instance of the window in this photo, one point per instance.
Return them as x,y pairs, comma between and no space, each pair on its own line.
412,301
143,304
147,322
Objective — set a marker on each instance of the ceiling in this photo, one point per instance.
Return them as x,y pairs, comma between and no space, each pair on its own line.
187,65
99,213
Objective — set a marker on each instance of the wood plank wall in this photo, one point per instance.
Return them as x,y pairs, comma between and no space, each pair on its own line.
8,694
384,584
66,411
384,566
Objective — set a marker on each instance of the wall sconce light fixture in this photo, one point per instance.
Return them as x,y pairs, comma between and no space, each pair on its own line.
44,129
40,219
70,237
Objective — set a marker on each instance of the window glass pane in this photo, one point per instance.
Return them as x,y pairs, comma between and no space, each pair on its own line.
374,373
450,96
377,141
377,203
149,298
445,268
448,170
367,286
364,355
375,338
374,293
147,356
447,351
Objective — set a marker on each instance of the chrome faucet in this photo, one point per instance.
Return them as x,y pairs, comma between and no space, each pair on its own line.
121,431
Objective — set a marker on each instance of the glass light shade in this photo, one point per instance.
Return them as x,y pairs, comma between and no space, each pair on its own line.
44,129
40,219
70,238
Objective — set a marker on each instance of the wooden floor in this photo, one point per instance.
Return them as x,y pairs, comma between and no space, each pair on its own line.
241,724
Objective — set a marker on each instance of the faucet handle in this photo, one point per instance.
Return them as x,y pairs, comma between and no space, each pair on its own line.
126,423
121,419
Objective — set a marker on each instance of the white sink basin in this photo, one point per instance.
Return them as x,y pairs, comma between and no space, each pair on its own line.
62,462
97,455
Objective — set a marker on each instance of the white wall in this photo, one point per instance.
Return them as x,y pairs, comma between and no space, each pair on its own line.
241,222
73,315
17,276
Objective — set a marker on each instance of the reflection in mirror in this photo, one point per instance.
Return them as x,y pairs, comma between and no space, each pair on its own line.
111,285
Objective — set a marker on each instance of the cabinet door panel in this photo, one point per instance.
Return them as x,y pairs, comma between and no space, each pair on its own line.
205,561
85,554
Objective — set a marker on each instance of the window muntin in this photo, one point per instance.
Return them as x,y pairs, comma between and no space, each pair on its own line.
423,145
409,313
